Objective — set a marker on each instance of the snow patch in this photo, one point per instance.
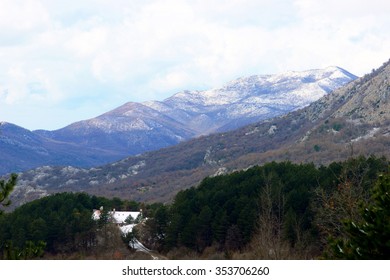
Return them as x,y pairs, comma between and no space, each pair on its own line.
134,170
208,158
369,135
71,182
93,182
272,130
255,130
220,171
70,170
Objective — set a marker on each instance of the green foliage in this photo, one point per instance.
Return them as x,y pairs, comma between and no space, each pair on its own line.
338,195
337,126
156,227
115,203
31,250
369,239
317,148
104,218
286,207
129,220
138,219
6,188
61,222
224,207
129,238
274,201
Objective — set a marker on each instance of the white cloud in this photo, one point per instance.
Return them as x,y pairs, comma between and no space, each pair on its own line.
21,15
342,9
87,43
69,55
351,34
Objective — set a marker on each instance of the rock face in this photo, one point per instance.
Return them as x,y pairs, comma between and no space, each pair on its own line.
134,128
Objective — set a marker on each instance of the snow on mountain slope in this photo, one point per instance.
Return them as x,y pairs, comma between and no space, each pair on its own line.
186,113
134,128
357,114
138,127
265,96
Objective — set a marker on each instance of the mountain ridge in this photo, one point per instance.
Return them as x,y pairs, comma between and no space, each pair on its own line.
323,132
183,107
136,128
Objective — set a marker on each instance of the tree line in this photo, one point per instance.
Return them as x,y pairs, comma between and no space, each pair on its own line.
279,210
58,224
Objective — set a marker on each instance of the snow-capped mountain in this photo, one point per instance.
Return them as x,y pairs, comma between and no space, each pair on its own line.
251,99
134,128
138,127
352,120
21,149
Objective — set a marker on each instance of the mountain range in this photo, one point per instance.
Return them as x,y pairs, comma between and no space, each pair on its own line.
135,128
353,120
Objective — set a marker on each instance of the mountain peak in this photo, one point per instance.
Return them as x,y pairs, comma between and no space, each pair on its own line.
134,128
320,133
373,103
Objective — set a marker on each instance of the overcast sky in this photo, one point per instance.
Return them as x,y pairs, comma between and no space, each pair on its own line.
64,61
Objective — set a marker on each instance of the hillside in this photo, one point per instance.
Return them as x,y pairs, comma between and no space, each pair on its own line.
328,130
135,128
304,212
21,149
138,127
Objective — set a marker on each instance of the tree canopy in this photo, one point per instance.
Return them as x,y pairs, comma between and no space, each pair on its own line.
297,205
6,188
57,224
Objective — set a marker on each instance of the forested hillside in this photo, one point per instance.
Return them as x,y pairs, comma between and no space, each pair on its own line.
353,120
61,226
274,211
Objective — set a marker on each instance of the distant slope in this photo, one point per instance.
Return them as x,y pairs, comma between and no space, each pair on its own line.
135,128
352,120
129,129
21,149
139,127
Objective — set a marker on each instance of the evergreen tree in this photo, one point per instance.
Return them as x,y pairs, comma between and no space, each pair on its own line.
234,239
129,220
220,226
369,239
205,234
161,221
6,188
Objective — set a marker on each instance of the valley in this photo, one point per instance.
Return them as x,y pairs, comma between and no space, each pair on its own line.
136,128
275,189
330,129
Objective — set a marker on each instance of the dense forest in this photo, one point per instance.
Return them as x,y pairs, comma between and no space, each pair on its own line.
58,225
275,211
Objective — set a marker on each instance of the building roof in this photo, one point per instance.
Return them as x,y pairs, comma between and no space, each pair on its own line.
118,217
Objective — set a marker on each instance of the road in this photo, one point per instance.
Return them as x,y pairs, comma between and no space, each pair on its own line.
140,247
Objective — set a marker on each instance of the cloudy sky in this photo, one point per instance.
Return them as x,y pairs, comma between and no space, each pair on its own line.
64,61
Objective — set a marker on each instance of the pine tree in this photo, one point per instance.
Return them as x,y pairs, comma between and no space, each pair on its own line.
371,238
234,240
6,188
205,234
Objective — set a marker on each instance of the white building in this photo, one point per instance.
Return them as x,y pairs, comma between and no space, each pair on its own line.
117,217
